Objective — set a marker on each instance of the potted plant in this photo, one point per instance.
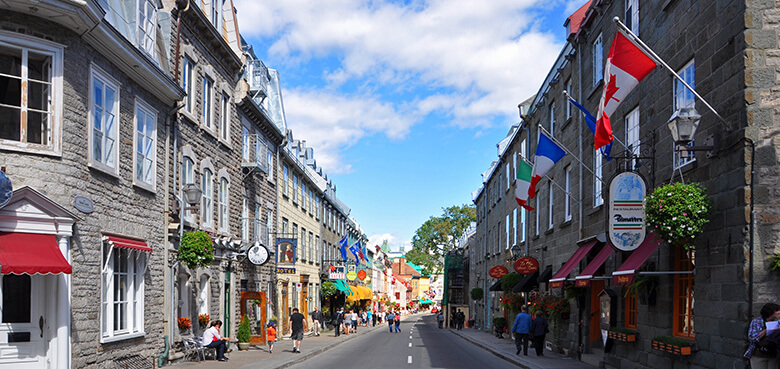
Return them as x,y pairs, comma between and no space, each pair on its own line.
203,320
196,249
672,345
244,333
622,334
677,213
499,325
477,293
184,324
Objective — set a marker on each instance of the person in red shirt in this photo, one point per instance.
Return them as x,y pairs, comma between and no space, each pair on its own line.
271,337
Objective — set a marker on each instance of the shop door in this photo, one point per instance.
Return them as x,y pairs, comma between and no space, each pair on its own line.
253,305
304,299
285,317
22,334
595,311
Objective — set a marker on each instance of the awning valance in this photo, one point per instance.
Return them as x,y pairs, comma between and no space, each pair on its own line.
583,280
127,243
558,278
625,274
545,275
359,293
496,286
29,253
527,284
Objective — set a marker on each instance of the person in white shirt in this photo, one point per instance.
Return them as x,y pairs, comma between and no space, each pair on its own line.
211,338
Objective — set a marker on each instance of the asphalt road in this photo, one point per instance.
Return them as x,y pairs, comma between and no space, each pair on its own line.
420,344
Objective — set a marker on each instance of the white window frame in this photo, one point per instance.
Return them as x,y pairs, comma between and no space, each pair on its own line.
312,247
269,226
507,233
188,84
567,103
631,15
207,104
567,199
285,179
224,117
109,161
216,14
514,220
245,139
303,196
146,34
311,201
52,144
207,202
204,294
632,134
148,154
303,244
245,219
187,176
134,296
508,176
550,204
224,204
523,217
597,52
684,98
552,119
536,213
295,188
598,187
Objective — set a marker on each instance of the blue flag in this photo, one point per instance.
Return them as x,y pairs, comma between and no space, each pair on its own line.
590,120
354,250
343,249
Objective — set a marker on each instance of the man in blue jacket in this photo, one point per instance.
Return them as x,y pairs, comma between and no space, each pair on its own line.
521,329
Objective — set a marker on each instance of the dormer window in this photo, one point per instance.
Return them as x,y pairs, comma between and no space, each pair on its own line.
147,27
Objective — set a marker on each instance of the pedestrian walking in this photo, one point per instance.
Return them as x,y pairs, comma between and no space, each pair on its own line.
316,317
298,325
440,318
372,318
521,328
539,329
460,319
397,321
390,320
339,322
271,337
354,318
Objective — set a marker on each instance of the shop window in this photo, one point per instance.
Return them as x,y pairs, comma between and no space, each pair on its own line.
683,295
631,310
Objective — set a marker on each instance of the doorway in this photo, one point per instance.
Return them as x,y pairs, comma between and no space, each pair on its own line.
23,336
253,305
595,313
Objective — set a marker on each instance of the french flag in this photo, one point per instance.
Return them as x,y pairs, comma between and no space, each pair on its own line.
626,66
547,154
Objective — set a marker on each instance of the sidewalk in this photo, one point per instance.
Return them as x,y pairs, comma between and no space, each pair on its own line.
283,356
505,348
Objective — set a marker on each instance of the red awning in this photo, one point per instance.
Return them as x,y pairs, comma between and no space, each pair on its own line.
583,280
625,274
29,253
126,243
557,280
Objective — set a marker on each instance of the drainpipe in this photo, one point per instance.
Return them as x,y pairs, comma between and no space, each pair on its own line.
752,221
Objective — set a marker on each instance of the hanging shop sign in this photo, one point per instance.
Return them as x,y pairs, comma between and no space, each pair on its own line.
280,270
336,272
626,223
526,265
361,275
351,276
83,204
498,271
285,248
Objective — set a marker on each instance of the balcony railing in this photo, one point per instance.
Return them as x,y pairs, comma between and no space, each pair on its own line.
254,154
258,78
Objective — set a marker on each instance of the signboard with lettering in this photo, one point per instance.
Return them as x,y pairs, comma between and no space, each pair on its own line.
351,276
280,270
336,272
498,271
526,265
626,223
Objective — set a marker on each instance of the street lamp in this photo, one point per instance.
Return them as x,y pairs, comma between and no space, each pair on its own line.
192,194
683,125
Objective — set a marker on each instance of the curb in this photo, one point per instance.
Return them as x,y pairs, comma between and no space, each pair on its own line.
491,350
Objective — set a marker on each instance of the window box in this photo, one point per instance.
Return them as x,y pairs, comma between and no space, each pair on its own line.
672,345
622,334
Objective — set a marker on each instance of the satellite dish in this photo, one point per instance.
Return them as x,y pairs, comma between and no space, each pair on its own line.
6,190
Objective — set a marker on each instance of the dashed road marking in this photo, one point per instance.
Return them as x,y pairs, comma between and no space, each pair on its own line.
409,360
410,344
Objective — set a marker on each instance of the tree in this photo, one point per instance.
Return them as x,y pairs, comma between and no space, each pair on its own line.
439,235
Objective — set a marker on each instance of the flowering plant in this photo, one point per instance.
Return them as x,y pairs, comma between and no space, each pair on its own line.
551,306
678,212
512,301
196,249
184,323
203,320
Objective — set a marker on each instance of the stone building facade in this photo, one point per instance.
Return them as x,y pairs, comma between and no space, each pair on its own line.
724,50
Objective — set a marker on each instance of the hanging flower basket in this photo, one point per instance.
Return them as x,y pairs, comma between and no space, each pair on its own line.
678,213
184,324
196,249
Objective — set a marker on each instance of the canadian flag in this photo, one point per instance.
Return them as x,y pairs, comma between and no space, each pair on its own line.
626,66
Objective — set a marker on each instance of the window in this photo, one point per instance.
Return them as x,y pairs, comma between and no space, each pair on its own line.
223,204
245,138
268,226
632,135
224,118
187,176
568,104
537,213
295,188
523,149
567,198
216,14
285,179
208,101
598,165
522,224
303,244
507,232
552,119
683,294
207,204
147,28
514,220
632,16
508,176
257,225
311,200
122,293
285,227
261,152
303,196
204,292
631,310
597,52
31,94
145,146
245,219
103,112
312,247
684,98
317,205
550,205
187,83
317,248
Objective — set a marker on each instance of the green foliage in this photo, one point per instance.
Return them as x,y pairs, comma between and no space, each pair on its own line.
673,341
508,281
774,261
678,212
572,292
244,331
328,289
641,282
439,235
499,322
196,249
477,293
623,330
551,306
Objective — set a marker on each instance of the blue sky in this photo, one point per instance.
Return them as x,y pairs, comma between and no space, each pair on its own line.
404,101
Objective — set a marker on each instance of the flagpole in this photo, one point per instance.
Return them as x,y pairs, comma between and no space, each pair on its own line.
553,182
566,93
569,152
660,61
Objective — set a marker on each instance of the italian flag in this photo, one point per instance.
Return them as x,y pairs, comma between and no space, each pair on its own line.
522,184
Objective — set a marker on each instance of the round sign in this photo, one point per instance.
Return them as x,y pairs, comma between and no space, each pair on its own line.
498,271
258,254
626,224
526,265
351,276
361,275
6,190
